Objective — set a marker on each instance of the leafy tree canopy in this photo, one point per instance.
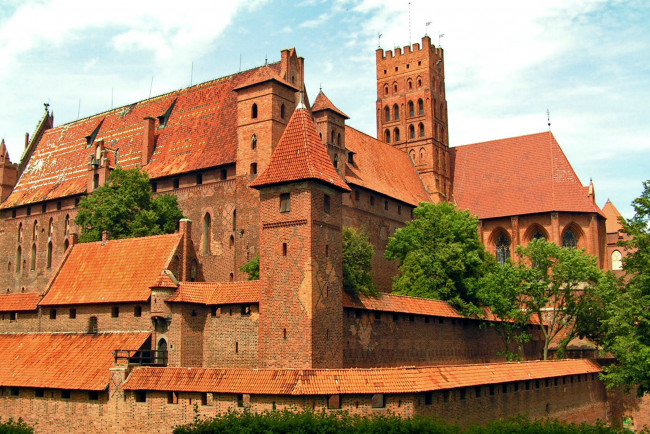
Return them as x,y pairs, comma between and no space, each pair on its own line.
252,268
125,207
440,256
626,327
357,263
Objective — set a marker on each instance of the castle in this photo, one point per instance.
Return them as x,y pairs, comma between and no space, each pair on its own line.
141,334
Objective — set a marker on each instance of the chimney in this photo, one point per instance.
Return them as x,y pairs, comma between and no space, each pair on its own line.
105,237
148,139
185,228
73,239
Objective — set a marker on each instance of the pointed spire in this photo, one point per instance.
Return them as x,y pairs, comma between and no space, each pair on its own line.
4,154
322,102
300,155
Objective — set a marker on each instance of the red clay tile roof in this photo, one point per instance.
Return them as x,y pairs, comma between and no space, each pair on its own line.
401,304
300,155
164,281
119,272
19,302
515,176
322,102
380,167
263,74
201,132
218,292
349,381
62,360
612,214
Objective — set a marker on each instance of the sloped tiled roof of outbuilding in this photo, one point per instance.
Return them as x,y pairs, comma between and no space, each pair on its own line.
300,155
612,214
212,293
62,360
380,167
401,304
349,381
120,271
516,176
19,302
201,132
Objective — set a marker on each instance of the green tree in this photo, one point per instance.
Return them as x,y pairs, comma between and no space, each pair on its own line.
440,256
626,328
252,267
556,285
357,263
125,207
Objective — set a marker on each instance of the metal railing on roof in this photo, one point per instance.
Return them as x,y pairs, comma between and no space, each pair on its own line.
141,357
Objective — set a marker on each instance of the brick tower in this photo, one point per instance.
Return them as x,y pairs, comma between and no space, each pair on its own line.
8,172
330,125
412,111
301,310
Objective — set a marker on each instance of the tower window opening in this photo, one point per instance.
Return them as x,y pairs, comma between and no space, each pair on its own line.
254,111
176,183
569,239
411,132
326,203
419,82
254,141
503,249
284,249
207,232
420,106
411,108
387,114
396,135
395,88
421,130
253,169
333,136
199,178
396,112
285,202
282,111
336,161
387,136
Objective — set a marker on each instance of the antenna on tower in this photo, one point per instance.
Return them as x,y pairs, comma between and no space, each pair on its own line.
440,36
548,119
426,28
378,40
409,23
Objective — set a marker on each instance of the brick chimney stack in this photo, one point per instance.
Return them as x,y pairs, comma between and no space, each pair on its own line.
148,139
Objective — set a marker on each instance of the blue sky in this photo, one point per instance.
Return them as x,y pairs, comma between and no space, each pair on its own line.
507,62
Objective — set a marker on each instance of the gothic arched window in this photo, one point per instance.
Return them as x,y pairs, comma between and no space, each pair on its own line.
411,108
421,129
207,232
19,258
503,249
49,254
20,233
617,260
396,135
395,112
387,136
282,111
254,141
569,239
420,107
386,114
254,111
411,131
538,235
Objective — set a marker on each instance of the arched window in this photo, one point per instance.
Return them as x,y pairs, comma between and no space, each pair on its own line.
33,258
254,111
423,153
617,260
282,111
49,254
410,84
336,161
20,233
411,132
411,108
254,141
394,87
386,114
35,230
420,106
396,135
419,82
395,112
421,129
66,244
385,89
19,258
67,225
412,155
92,325
207,232
193,270
234,220
503,248
338,139
538,235
333,136
387,136
50,229
161,352
569,239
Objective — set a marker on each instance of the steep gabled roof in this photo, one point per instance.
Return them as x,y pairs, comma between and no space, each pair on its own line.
120,271
515,176
19,302
322,102
62,360
263,74
350,381
300,155
380,167
612,214
201,132
212,293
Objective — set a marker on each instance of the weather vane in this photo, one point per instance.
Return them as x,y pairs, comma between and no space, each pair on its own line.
548,119
426,28
378,40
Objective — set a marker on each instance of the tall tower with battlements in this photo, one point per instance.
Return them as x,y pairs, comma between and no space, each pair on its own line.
412,111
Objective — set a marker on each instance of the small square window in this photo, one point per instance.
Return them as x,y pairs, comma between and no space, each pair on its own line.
334,402
137,311
15,391
245,309
140,396
154,187
326,203
199,178
65,394
115,311
224,174
214,311
395,317
52,313
399,209
204,399
176,183
39,393
377,316
12,316
73,313
172,397
378,400
428,398
93,395
285,202
58,205
44,208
